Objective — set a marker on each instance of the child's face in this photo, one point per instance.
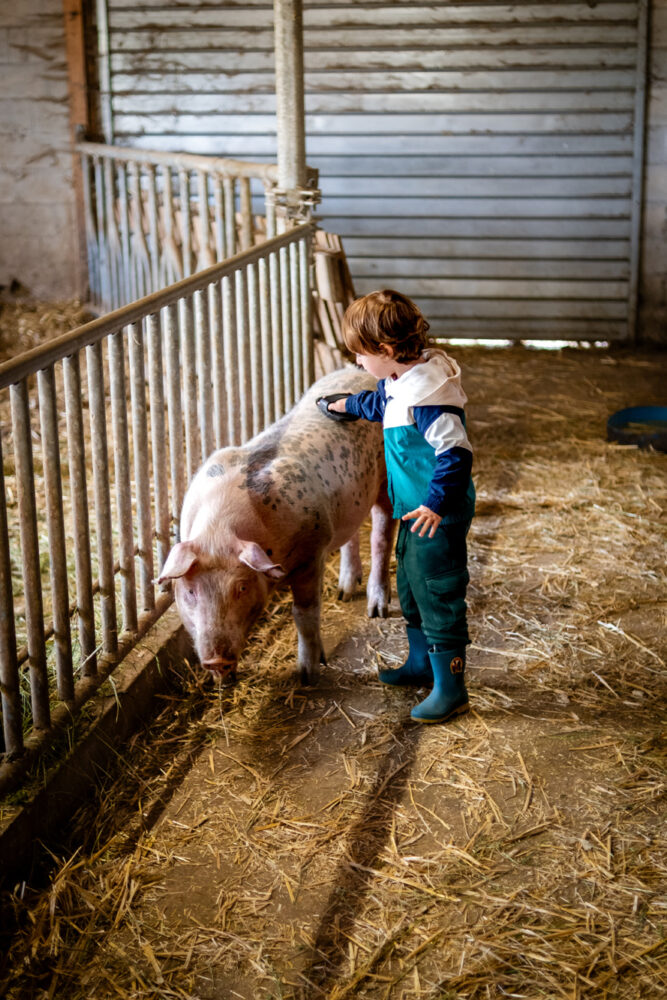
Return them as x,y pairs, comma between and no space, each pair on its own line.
379,365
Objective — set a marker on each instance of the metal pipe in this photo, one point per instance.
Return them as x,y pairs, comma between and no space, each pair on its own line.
174,415
189,355
79,498
230,355
100,461
158,437
121,448
203,372
32,582
141,466
10,694
48,415
241,296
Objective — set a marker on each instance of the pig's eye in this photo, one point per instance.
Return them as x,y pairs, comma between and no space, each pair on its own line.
240,589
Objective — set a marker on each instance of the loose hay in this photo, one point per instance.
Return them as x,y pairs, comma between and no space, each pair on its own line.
272,841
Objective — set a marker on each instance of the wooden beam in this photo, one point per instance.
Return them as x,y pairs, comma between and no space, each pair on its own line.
79,122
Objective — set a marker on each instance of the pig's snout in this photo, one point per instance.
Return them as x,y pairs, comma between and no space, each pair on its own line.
221,667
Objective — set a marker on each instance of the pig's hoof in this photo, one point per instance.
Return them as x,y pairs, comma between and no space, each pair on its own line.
310,675
378,609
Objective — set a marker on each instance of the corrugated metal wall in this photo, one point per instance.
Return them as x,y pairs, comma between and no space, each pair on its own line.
479,157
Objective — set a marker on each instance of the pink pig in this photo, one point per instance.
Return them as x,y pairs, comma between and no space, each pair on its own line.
269,513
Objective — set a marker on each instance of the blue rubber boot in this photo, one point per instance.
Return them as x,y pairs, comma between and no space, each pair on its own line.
416,671
449,696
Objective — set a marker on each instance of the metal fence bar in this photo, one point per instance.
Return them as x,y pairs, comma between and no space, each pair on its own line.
158,436
10,695
81,529
265,365
229,189
121,449
230,358
286,322
189,354
305,256
174,414
203,369
32,587
48,414
276,333
241,297
100,459
254,344
295,319
217,366
141,466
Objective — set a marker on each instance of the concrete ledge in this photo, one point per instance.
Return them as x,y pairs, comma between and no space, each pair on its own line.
54,797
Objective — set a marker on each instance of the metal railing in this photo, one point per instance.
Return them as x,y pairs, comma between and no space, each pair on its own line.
93,470
152,218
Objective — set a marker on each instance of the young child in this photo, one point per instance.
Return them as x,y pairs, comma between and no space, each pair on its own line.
420,402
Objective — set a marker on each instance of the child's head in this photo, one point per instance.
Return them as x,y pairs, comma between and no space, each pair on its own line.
385,319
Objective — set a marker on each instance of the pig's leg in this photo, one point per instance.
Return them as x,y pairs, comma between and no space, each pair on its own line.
350,572
306,584
378,589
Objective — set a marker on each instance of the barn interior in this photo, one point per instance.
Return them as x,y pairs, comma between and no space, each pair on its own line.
274,840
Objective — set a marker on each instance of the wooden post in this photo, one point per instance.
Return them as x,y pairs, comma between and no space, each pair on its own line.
79,121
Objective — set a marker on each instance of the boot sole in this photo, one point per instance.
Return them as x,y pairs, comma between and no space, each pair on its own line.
461,710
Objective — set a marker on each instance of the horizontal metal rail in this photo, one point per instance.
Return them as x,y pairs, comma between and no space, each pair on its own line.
100,431
152,218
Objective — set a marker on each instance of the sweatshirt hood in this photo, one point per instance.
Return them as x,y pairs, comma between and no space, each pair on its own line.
436,381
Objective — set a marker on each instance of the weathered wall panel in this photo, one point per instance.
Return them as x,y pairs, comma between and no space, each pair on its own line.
38,247
653,283
479,156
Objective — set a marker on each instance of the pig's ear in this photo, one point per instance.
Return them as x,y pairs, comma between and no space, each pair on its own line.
181,560
253,555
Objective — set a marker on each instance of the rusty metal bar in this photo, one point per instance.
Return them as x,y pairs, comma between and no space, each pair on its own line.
203,370
81,529
10,694
92,242
48,415
141,467
205,258
158,436
121,449
153,233
229,189
186,233
125,229
32,581
100,461
265,341
174,413
242,351
189,354
305,253
219,239
246,213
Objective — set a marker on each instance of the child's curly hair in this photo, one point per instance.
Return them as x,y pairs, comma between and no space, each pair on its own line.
386,319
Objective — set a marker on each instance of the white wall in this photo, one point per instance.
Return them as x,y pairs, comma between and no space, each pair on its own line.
38,242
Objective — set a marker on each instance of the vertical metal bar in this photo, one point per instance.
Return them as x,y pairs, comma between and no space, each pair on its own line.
246,213
205,255
286,313
81,529
175,415
32,583
48,415
230,215
186,221
230,355
141,466
112,235
92,240
276,334
124,214
102,234
306,311
265,342
270,209
219,219
158,436
217,368
154,237
172,270
10,694
290,118
104,69
189,356
100,456
203,362
295,306
241,295
254,334
121,449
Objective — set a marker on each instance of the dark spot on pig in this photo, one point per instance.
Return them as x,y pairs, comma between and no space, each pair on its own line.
215,470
